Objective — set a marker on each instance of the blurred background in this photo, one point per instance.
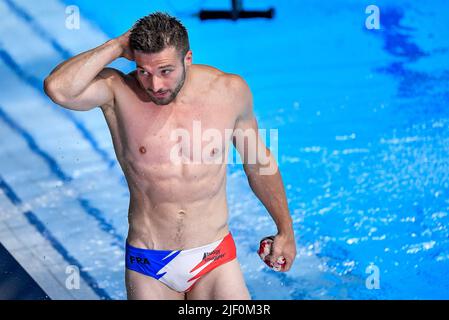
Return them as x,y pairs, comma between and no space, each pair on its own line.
362,117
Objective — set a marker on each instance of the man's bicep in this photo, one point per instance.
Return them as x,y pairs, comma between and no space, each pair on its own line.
246,138
98,93
245,128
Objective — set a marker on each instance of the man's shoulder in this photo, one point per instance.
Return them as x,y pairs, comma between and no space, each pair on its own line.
232,89
231,82
235,83
236,86
215,72
207,69
239,92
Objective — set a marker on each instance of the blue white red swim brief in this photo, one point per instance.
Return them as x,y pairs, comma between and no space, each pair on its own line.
180,269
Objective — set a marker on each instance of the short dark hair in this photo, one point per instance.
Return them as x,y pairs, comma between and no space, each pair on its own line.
157,31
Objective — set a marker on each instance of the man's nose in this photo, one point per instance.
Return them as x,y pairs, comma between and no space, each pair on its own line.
156,84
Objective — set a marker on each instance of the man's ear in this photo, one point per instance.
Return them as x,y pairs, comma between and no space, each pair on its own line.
188,58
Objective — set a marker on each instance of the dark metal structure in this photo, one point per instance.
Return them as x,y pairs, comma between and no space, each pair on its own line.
235,13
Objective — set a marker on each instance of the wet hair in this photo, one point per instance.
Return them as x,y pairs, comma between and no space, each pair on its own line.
157,31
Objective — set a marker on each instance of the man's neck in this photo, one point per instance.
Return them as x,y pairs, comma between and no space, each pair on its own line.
185,94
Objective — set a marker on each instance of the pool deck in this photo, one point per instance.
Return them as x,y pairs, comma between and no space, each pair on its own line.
16,283
24,230
40,260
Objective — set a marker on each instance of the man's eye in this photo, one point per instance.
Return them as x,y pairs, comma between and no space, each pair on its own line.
166,71
143,72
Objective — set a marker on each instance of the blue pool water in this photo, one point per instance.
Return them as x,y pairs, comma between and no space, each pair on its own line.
363,147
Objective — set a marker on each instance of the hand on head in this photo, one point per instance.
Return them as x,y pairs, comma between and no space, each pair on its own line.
123,40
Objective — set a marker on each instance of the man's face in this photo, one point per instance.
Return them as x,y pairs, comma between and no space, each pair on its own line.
162,74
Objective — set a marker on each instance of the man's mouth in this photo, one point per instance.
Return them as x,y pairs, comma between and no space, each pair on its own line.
160,94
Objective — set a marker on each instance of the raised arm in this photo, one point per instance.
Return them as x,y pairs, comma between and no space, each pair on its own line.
83,82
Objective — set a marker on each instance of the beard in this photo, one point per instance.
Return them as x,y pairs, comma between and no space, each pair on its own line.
172,93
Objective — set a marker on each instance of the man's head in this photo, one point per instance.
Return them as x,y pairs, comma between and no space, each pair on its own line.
162,53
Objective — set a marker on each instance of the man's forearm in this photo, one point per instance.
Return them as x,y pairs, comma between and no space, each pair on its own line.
269,189
72,76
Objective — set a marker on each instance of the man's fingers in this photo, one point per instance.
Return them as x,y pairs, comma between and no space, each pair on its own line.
275,258
278,263
275,251
288,265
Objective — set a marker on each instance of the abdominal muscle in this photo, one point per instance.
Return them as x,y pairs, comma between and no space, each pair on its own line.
174,207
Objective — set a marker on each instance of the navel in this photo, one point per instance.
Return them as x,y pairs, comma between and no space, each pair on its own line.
142,149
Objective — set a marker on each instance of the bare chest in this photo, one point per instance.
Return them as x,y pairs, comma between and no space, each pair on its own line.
162,135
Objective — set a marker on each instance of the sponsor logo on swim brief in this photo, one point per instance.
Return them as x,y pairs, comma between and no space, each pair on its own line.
213,255
138,260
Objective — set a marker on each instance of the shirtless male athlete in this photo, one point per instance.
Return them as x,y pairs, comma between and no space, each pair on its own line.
179,245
